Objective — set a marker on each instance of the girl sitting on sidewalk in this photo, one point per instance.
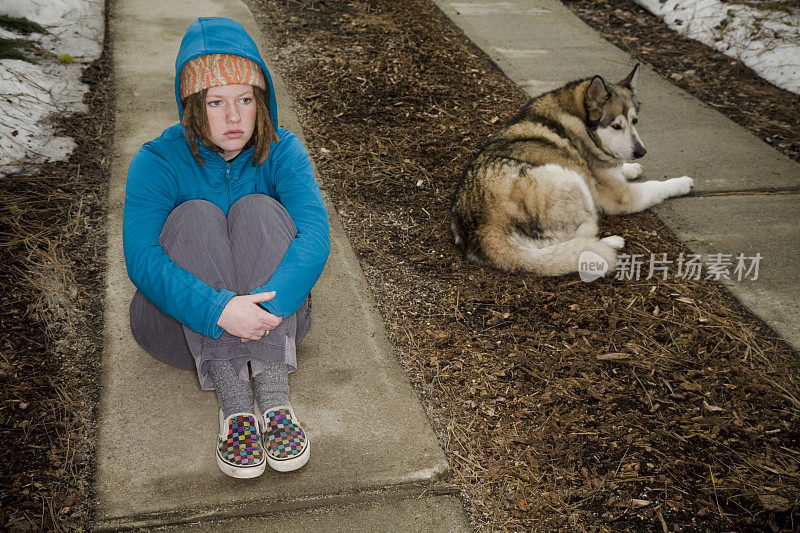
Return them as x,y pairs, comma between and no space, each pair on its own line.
225,233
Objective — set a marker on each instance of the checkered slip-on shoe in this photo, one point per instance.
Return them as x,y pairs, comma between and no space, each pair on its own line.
285,442
239,450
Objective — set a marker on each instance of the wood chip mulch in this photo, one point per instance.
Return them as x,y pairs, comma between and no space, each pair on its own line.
628,405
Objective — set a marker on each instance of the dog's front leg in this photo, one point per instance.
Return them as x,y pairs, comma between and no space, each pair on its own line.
624,172
619,197
631,171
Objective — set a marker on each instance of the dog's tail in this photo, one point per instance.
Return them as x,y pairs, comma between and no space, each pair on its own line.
545,259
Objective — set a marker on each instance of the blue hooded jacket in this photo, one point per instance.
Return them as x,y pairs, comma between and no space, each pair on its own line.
163,174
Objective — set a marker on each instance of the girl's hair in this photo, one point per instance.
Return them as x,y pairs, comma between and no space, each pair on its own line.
195,125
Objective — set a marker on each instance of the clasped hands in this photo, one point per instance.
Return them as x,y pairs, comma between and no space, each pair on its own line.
244,318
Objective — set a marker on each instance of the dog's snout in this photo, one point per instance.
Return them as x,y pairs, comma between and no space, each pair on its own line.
638,151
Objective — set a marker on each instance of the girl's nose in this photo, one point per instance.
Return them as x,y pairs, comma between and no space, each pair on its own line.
233,114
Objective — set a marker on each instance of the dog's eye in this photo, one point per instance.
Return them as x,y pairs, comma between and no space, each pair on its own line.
635,121
616,126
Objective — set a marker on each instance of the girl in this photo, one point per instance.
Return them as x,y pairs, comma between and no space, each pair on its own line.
225,233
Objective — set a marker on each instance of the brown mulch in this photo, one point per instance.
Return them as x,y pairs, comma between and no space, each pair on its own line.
53,227
613,406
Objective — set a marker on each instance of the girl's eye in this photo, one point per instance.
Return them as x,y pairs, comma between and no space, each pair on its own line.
616,126
247,100
214,103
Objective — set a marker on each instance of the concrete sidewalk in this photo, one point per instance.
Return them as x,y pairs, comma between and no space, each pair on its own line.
747,195
376,463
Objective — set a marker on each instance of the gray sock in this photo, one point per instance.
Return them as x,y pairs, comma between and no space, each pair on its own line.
271,386
234,395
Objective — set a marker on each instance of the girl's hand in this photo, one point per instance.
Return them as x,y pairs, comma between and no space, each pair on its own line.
244,318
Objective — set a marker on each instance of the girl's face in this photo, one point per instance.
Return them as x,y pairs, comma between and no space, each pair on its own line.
231,111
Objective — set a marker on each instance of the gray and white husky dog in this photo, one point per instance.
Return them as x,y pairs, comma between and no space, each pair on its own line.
529,199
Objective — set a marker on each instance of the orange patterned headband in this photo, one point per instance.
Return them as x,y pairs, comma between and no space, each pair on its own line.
215,70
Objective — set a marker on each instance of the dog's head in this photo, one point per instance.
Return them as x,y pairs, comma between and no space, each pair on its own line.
612,113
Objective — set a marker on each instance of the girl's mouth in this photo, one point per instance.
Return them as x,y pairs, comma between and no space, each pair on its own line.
234,134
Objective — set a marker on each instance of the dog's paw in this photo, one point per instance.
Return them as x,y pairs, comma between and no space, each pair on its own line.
631,171
615,241
680,186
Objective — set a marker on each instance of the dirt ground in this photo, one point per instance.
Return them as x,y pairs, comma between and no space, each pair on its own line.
620,405
616,406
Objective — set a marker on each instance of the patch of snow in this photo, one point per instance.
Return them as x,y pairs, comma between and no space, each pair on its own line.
31,94
768,41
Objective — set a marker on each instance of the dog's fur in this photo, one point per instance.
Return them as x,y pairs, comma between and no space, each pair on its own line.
529,199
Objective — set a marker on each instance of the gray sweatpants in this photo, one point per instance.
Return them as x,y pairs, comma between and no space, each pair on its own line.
239,252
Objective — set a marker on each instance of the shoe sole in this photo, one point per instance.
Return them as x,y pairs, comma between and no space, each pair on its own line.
287,465
241,472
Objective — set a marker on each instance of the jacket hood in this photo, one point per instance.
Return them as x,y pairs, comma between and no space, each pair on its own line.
217,35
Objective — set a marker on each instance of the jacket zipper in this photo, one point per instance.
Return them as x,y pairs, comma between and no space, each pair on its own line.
227,184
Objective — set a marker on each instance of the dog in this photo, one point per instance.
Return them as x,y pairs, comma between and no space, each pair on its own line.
528,202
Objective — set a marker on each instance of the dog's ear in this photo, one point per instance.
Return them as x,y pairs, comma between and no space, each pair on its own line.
596,96
631,80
